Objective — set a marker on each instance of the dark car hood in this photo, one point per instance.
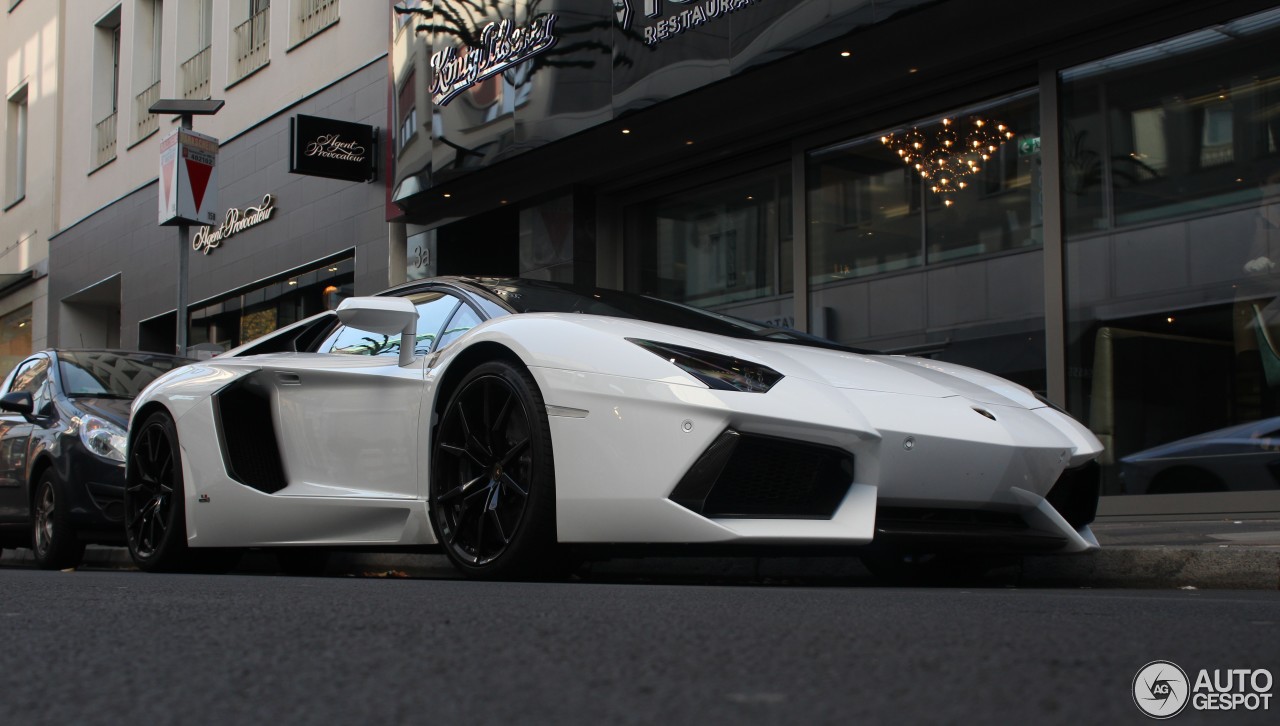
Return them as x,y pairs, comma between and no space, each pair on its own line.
115,410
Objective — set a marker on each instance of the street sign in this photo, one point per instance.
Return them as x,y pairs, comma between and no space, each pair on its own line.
188,178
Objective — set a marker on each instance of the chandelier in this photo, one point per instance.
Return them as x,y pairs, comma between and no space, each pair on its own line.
950,153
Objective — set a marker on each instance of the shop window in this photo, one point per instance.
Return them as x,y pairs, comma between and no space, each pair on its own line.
1171,193
725,245
250,314
871,213
16,151
947,263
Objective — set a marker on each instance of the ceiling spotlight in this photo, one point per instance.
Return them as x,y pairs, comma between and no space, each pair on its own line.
447,195
845,54
626,131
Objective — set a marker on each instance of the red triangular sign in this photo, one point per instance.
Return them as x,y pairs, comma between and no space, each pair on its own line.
199,175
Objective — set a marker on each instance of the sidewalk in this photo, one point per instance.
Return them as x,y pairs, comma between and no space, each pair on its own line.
1203,554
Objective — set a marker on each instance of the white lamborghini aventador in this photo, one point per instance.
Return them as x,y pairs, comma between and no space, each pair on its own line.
506,421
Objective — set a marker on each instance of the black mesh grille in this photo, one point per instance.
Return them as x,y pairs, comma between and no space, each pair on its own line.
1075,495
248,437
743,475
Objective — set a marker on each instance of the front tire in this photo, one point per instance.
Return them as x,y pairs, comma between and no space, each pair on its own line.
53,539
155,509
492,492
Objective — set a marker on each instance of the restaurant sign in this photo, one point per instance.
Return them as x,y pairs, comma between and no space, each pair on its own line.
502,45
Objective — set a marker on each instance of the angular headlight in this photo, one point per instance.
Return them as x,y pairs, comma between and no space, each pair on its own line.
102,437
717,371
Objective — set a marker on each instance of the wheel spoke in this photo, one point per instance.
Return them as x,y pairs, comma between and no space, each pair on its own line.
515,451
512,484
460,490
497,522
500,422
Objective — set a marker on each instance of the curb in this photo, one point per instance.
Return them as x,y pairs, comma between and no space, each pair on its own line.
1146,567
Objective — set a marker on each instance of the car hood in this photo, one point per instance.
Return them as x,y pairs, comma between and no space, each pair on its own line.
837,368
115,410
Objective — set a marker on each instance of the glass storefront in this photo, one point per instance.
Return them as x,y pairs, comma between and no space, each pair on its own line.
248,315
1171,205
927,239
724,245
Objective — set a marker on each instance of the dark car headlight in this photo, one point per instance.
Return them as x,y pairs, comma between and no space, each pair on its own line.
102,437
721,372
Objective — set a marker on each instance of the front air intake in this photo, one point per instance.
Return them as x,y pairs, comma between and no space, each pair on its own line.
1075,494
762,477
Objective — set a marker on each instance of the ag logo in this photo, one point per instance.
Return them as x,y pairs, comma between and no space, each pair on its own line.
1160,689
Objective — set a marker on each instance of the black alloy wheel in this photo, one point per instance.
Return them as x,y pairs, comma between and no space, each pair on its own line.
149,496
154,508
492,484
53,540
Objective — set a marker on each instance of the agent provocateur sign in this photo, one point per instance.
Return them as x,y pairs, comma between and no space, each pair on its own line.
210,238
502,45
331,148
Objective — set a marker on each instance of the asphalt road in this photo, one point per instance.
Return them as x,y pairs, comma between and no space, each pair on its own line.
125,647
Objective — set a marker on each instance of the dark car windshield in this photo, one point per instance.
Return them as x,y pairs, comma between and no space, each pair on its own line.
534,296
106,374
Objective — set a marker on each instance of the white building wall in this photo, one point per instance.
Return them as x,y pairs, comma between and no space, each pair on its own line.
291,73
30,37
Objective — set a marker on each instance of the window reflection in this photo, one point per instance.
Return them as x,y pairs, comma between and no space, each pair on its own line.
1171,191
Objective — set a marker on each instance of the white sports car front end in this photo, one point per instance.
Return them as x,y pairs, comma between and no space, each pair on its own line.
503,420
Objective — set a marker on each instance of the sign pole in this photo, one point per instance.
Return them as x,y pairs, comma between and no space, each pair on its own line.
184,264
188,187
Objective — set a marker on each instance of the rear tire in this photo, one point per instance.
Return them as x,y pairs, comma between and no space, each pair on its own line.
155,509
53,539
492,492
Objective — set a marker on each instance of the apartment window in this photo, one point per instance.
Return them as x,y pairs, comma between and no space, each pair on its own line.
148,23
251,39
195,40
16,151
106,86
310,17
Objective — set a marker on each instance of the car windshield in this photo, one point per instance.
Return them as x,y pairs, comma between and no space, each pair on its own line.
105,374
534,296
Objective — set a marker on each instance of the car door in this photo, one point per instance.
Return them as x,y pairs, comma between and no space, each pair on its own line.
15,435
349,416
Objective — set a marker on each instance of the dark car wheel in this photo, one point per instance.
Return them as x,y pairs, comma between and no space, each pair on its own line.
53,539
492,485
154,507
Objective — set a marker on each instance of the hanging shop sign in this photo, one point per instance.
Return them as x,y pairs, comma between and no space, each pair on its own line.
188,178
333,149
207,239
502,45
670,24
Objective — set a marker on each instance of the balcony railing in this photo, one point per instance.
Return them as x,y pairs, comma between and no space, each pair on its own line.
147,123
195,75
253,48
104,141
314,16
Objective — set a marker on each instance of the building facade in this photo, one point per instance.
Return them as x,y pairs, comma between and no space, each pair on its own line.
30,36
1081,197
282,245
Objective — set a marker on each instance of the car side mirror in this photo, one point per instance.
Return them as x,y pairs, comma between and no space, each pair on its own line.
19,402
385,316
